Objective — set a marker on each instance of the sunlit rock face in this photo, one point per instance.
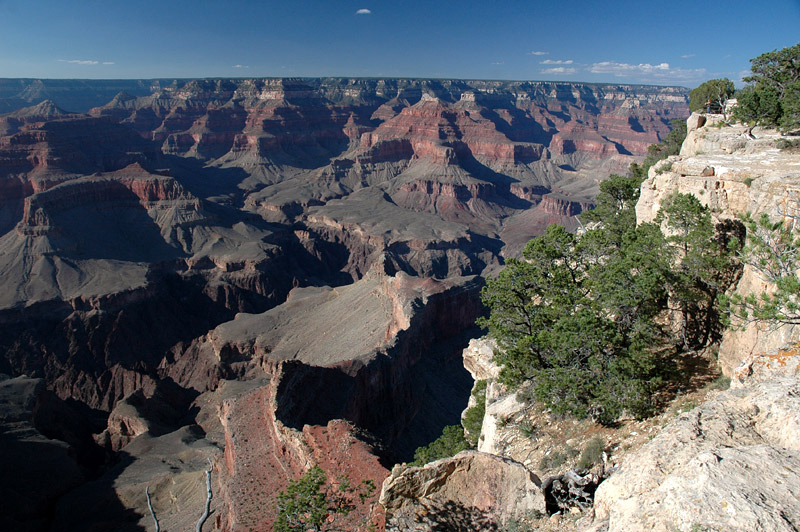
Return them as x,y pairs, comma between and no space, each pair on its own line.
732,174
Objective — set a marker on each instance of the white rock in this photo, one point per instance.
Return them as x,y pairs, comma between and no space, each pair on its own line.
731,464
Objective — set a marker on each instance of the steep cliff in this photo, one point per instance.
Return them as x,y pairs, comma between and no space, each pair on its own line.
732,174
459,149
298,385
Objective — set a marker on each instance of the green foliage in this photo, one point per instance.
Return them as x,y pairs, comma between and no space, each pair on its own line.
706,266
790,121
758,106
721,383
576,316
615,206
579,317
592,454
666,167
712,94
515,525
450,443
557,459
307,503
791,145
473,417
778,69
772,96
772,249
528,429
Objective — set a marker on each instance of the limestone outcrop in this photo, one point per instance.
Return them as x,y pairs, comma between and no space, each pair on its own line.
730,464
732,174
470,491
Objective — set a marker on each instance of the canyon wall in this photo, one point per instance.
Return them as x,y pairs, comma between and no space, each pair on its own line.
253,271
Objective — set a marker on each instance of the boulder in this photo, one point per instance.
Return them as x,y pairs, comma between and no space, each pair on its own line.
470,491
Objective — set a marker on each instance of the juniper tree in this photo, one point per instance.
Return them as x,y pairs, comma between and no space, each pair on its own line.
713,93
308,502
772,96
704,267
773,249
576,315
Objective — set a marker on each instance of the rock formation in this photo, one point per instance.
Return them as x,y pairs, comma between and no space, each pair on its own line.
730,464
471,491
731,174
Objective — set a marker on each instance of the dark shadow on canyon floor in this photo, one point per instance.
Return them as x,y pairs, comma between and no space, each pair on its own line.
95,506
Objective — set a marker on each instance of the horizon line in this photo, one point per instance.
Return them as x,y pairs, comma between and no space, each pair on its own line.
411,78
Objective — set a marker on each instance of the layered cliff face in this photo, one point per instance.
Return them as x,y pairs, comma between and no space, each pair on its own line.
469,152
282,390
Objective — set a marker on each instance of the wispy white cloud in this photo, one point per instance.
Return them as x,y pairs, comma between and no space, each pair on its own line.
108,62
241,66
559,70
79,61
743,74
646,71
363,11
538,53
556,62
498,62
625,69
687,56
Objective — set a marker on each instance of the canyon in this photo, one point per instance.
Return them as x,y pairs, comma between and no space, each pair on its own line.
258,275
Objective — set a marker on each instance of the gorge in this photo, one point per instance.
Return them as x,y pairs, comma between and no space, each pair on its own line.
264,273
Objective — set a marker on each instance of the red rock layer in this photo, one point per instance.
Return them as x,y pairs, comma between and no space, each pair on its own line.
262,456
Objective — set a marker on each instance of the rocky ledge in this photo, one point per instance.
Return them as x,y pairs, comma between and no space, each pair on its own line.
730,464
471,491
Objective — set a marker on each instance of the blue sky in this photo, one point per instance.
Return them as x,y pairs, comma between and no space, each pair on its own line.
678,42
